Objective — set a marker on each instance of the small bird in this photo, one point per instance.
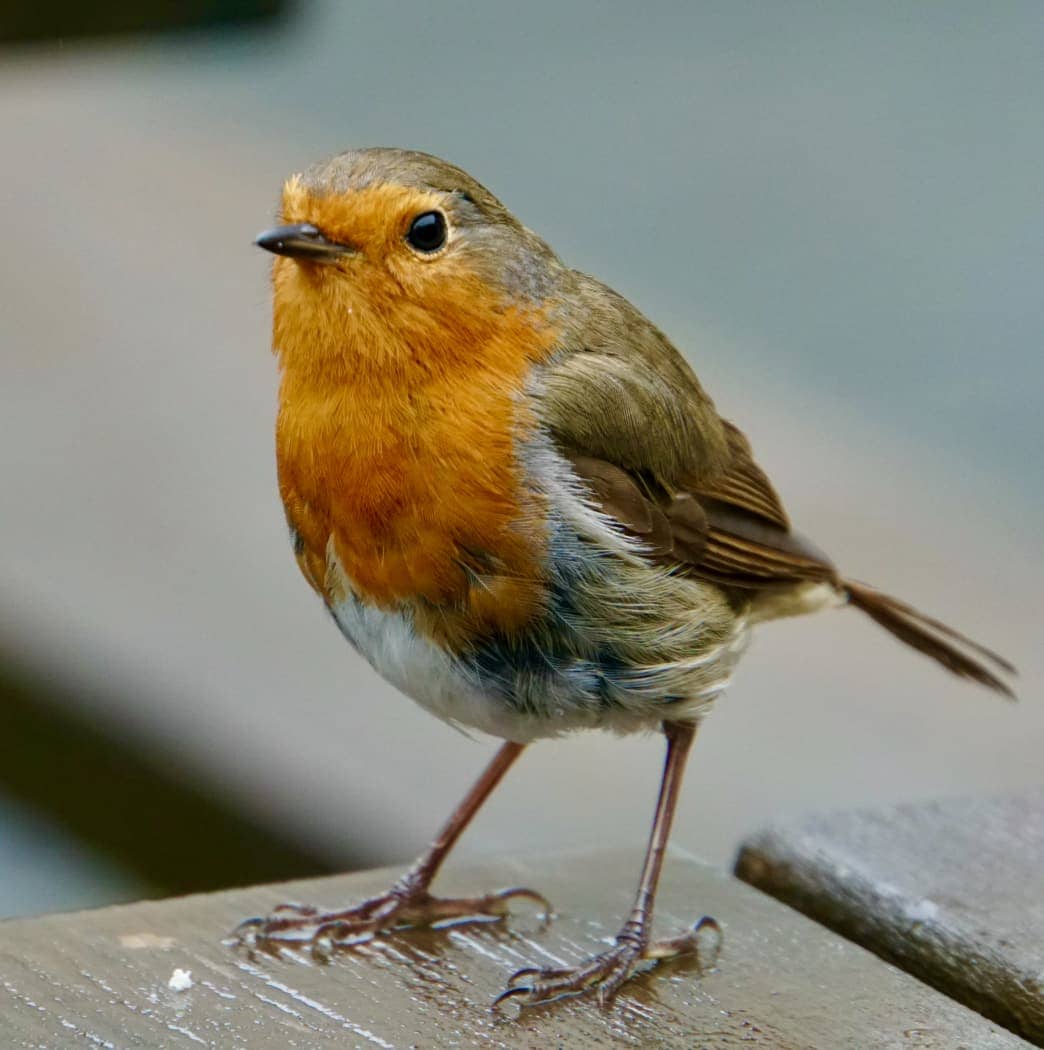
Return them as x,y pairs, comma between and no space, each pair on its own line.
518,503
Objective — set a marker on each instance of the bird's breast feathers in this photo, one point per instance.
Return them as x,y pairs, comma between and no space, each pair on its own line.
410,481
470,566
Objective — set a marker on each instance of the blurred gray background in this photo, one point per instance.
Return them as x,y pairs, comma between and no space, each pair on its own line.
834,210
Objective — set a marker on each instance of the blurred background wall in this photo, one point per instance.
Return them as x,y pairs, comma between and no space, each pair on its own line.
834,210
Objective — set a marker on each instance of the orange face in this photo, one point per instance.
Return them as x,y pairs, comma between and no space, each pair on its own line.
385,296
400,408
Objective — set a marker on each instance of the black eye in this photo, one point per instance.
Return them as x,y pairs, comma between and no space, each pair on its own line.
427,232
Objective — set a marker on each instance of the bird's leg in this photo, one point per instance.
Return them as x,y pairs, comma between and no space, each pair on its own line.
407,902
605,973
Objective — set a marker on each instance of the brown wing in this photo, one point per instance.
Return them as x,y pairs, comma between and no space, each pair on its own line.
621,403
730,545
749,539
707,535
743,483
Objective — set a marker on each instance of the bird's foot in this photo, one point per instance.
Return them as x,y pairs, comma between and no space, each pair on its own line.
604,974
301,925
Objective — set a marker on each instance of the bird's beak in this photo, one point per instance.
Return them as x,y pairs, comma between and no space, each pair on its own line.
302,241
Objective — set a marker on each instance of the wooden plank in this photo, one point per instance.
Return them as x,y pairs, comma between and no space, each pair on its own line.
100,978
953,892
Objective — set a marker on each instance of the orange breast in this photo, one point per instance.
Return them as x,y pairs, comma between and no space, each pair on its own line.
398,455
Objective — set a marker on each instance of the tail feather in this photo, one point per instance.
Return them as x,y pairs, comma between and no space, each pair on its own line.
933,638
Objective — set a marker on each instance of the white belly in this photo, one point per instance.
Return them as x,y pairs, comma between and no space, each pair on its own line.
454,692
424,672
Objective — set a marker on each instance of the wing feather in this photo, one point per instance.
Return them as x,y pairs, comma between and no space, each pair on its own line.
647,442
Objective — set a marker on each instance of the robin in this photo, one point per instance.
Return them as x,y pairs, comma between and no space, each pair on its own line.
519,504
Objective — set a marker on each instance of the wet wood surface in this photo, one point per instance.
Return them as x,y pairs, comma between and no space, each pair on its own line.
102,978
952,892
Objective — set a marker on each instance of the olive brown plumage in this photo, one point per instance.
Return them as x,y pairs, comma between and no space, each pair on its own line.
519,504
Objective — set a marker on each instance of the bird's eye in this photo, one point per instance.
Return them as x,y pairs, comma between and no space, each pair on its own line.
427,232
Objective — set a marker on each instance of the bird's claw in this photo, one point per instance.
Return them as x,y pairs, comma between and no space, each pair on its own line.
295,908
294,924
604,974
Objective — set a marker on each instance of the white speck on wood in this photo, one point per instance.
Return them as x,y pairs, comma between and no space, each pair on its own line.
180,981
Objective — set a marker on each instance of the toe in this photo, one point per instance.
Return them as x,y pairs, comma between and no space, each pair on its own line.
704,941
304,911
608,985
524,893
248,927
521,978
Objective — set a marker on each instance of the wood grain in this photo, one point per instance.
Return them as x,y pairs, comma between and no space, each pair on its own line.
100,978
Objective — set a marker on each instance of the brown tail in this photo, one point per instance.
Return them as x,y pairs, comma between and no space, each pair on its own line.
931,637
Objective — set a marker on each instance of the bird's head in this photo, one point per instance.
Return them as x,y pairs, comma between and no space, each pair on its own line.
387,255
